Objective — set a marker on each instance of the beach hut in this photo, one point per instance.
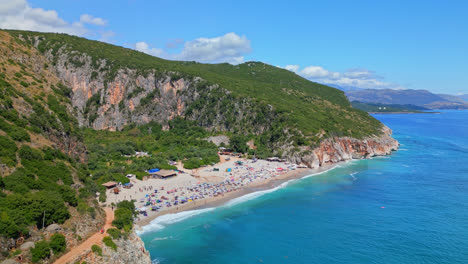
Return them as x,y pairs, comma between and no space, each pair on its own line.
109,184
164,174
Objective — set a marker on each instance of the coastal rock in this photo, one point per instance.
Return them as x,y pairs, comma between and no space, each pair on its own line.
338,149
130,250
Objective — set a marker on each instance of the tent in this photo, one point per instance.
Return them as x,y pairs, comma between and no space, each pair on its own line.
153,170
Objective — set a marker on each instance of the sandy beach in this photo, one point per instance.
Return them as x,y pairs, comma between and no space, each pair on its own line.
205,187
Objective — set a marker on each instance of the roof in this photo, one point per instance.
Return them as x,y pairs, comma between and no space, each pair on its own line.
165,173
109,184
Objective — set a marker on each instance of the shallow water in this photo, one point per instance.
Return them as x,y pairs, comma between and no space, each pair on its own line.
410,207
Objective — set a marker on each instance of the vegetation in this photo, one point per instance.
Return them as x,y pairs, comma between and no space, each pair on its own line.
123,216
96,250
310,107
109,242
57,243
40,251
111,153
36,189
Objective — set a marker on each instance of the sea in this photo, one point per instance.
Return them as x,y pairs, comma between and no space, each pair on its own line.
410,207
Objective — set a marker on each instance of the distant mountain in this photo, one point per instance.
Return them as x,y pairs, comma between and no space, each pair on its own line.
345,88
422,98
452,98
464,97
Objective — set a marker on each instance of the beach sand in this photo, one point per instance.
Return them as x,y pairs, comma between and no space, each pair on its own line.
241,180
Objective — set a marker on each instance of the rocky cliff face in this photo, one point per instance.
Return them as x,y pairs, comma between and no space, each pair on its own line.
104,102
131,250
338,149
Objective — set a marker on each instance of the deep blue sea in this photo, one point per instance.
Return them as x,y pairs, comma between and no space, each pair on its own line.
410,207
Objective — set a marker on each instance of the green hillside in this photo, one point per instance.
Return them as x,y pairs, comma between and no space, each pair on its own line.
312,108
42,175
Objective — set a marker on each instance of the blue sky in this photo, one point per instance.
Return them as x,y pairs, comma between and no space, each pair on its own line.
368,44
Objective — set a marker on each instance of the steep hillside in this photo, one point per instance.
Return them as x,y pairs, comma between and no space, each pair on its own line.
406,97
113,86
42,178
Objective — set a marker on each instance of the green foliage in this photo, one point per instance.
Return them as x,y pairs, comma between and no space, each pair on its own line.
239,143
123,217
310,107
114,233
108,242
7,151
20,211
109,151
96,249
57,243
40,251
16,133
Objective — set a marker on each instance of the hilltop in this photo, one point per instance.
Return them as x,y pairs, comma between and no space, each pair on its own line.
421,98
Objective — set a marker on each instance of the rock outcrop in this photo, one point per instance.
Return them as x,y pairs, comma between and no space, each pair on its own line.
130,250
338,149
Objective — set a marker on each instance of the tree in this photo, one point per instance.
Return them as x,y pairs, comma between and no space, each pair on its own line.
40,251
58,243
239,143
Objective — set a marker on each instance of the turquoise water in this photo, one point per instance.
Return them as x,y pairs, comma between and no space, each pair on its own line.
411,207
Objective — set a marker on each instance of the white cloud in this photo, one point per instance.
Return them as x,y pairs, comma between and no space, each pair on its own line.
18,14
293,68
144,47
88,19
359,78
228,48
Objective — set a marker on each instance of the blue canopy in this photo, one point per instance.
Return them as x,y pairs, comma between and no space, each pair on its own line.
153,170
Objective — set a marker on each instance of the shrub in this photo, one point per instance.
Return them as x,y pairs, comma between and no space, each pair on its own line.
58,244
96,249
108,242
40,251
123,217
7,151
114,233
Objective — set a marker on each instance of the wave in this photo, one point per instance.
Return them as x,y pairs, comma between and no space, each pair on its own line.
254,195
164,220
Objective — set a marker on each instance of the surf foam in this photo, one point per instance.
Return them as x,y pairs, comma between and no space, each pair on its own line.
167,219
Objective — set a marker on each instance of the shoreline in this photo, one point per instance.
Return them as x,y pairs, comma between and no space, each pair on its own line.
214,202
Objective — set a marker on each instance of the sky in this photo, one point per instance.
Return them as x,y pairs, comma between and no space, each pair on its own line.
364,44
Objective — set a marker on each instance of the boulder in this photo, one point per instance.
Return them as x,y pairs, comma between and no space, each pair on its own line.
27,245
53,228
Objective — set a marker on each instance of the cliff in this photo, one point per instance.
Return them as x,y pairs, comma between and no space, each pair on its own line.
338,149
130,250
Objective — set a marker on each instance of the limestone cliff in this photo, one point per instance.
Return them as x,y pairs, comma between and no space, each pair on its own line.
135,97
130,250
338,149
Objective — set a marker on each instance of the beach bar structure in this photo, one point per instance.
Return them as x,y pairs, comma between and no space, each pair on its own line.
109,184
162,174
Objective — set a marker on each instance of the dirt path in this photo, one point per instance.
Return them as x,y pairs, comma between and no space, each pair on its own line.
86,245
